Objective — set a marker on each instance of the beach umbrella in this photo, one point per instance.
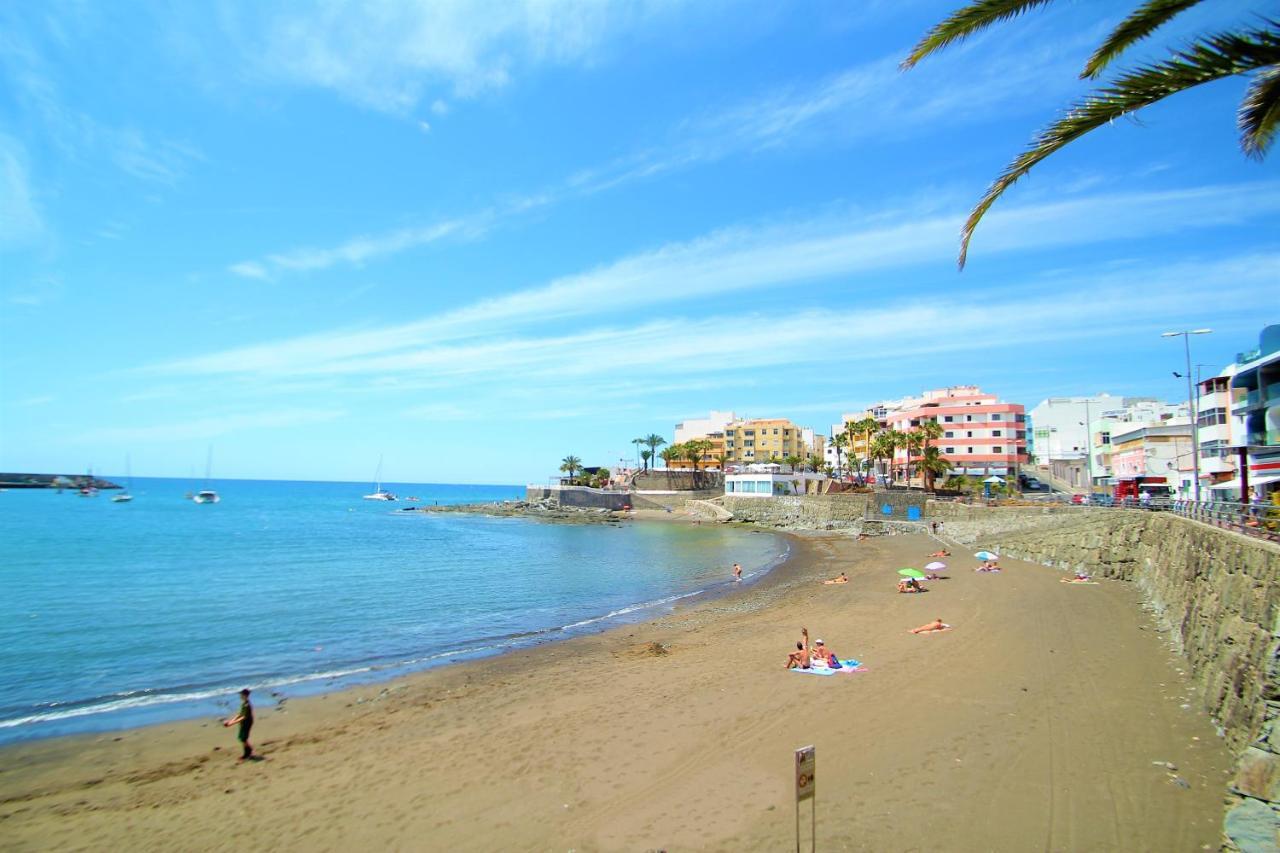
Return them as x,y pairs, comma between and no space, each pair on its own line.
986,555
936,567
911,573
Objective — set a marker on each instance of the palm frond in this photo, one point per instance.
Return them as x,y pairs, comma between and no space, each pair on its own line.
1145,20
1260,112
1207,59
965,22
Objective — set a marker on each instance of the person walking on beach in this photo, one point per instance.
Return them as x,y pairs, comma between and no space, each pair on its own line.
245,719
737,572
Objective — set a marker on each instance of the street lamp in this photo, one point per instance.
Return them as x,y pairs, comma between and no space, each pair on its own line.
1088,446
1191,402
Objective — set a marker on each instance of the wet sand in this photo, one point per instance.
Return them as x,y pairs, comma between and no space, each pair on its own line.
1035,724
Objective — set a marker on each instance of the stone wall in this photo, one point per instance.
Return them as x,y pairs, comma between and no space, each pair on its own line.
1219,594
809,512
678,480
579,496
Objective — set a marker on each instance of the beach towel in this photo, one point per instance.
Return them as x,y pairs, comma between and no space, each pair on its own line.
846,665
1079,583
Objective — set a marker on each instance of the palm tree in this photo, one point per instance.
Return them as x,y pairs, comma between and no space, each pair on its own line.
723,459
912,442
670,454
646,455
932,464
1211,57
637,442
882,446
571,465
840,442
867,427
814,462
653,441
695,449
930,430
792,461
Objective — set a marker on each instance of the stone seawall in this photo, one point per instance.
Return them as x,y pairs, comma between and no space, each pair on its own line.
1218,593
806,512
580,498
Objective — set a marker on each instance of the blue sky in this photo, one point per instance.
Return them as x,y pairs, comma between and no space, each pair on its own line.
476,237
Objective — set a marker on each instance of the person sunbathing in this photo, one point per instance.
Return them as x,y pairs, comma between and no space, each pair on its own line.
801,656
909,585
842,578
940,554
935,625
823,656
988,566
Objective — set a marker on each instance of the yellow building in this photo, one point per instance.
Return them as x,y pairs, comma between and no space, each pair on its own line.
756,440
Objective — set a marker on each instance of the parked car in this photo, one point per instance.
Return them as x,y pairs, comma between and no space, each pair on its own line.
1080,499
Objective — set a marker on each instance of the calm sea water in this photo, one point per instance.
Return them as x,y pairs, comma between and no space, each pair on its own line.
116,614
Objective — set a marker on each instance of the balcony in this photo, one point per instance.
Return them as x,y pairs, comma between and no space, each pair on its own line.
1248,402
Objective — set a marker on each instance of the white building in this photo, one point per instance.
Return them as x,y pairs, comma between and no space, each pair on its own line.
699,427
767,480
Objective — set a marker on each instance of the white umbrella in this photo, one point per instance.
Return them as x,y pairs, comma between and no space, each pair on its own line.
993,479
935,566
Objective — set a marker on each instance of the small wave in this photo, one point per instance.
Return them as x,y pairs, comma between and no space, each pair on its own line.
644,605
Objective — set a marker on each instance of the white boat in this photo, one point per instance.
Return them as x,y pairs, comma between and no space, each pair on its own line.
378,493
207,495
124,496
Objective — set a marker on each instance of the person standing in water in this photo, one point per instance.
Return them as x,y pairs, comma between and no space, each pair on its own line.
737,572
245,719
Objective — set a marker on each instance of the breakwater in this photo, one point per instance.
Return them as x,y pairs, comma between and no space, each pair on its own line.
1217,593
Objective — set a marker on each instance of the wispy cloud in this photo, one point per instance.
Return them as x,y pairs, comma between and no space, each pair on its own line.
360,249
32,78
391,55
870,99
746,259
195,429
20,219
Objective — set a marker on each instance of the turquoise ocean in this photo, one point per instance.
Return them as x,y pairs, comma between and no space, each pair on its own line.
121,614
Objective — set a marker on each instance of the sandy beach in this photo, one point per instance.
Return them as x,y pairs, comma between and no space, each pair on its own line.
1052,717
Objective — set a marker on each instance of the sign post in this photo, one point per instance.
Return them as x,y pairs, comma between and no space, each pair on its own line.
806,788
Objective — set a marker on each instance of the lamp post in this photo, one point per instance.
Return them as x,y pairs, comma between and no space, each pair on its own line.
1185,334
1088,446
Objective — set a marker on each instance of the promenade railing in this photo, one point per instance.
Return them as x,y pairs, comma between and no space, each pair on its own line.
1259,520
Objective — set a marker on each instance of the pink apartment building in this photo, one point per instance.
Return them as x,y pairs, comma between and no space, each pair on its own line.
981,435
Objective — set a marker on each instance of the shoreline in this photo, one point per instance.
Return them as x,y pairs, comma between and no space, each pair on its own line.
600,741
361,675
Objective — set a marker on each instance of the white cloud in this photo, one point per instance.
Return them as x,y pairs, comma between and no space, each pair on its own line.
390,54
360,249
735,261
873,98
20,220
192,429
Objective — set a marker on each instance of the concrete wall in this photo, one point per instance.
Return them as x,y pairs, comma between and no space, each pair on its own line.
1217,591
579,496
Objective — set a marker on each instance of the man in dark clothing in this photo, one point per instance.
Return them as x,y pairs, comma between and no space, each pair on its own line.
245,719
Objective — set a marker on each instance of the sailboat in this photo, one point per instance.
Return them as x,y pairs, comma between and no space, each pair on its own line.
124,496
207,495
378,493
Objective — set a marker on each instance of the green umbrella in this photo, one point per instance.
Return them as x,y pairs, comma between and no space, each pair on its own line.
911,573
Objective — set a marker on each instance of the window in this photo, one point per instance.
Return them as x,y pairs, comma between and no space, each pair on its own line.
1212,417
968,419
997,417
948,434
946,419
750,432
995,433
968,450
997,449
949,450
1106,438
775,430
969,434
750,442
